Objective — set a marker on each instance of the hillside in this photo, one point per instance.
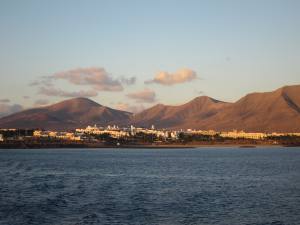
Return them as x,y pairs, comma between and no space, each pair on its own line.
278,110
69,114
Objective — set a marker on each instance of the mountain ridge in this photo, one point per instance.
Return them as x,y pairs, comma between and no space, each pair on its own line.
274,111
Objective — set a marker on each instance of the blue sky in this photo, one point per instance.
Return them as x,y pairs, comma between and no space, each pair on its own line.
233,48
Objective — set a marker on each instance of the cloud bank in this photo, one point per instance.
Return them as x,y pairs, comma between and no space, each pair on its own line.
147,96
95,77
181,76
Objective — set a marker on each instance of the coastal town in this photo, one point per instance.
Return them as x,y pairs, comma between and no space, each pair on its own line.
115,136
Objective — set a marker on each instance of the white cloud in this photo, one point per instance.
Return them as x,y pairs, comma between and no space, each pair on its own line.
61,93
146,95
44,81
181,76
128,81
95,77
129,108
41,102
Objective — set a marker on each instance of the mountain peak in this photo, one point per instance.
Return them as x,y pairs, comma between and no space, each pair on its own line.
80,100
203,101
205,98
74,104
68,114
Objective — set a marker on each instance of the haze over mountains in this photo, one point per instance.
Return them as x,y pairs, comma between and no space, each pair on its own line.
260,112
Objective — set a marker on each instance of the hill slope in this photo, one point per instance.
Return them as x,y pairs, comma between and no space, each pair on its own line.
163,116
69,114
268,112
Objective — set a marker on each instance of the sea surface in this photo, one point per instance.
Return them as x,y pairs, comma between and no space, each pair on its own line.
227,186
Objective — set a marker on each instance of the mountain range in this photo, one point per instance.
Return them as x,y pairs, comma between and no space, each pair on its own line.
276,111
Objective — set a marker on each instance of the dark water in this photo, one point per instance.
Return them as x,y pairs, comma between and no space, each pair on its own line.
196,186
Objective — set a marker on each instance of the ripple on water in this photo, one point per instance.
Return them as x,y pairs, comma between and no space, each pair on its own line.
228,186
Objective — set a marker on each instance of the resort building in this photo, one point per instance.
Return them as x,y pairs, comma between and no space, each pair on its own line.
241,134
56,135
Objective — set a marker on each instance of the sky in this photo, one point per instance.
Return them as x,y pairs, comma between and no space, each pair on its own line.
133,54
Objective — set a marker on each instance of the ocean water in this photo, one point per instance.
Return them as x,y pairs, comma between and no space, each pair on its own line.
150,186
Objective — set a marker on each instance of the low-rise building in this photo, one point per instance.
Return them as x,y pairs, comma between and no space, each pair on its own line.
275,134
116,132
56,135
113,131
202,132
241,134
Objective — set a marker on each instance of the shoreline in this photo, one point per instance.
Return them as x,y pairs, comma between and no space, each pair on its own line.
137,146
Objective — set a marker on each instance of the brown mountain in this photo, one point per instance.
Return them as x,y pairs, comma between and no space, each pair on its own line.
69,114
164,116
270,111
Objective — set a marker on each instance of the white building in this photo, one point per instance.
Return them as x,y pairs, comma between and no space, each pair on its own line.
57,135
241,134
113,131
